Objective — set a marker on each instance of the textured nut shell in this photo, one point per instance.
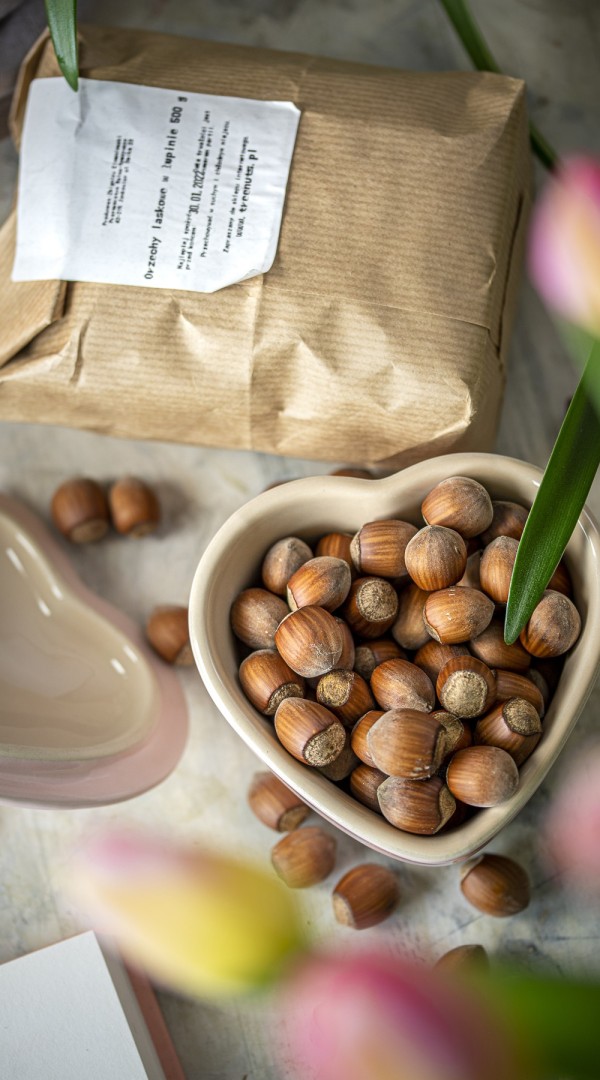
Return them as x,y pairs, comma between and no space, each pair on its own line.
80,511
398,684
370,654
455,615
459,503
464,958
255,616
346,693
407,743
365,896
496,885
561,580
482,776
338,545
320,582
343,765
309,732
458,735
409,630
266,680
509,684
432,656
378,548
134,507
168,633
416,806
466,687
491,647
471,578
495,571
553,628
359,735
371,607
514,726
274,804
282,560
348,653
364,784
310,641
508,520
304,857
541,683
436,557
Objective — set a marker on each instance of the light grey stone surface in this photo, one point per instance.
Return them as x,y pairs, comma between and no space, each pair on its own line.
554,43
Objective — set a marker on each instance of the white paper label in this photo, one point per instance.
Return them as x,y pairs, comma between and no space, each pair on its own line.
136,185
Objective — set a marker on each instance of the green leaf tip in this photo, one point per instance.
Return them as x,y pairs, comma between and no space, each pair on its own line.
62,23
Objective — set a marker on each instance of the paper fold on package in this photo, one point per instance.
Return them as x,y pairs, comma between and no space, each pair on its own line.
380,332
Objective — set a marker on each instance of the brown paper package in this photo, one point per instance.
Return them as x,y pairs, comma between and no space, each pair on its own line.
380,333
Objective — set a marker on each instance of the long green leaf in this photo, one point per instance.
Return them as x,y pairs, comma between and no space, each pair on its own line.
474,42
558,503
62,21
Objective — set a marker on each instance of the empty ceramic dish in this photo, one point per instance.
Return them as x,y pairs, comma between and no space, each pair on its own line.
88,715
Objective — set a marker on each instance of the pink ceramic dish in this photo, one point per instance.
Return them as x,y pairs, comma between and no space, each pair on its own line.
311,507
88,715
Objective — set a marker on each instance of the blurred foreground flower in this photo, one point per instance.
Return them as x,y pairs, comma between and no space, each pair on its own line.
564,252
573,824
193,920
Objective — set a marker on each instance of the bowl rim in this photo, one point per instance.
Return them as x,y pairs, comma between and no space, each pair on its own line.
470,837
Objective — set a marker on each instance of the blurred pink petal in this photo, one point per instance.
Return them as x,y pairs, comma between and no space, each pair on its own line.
564,251
573,824
373,1018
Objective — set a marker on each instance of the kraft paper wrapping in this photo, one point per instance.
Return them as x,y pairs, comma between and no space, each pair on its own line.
380,333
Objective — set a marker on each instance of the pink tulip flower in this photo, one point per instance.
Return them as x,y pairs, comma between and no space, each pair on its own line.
573,824
564,251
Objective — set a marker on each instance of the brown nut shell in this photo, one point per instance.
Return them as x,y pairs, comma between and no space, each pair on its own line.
378,548
514,726
496,886
369,654
508,520
338,545
80,510
371,607
348,653
436,558
561,580
509,684
343,765
304,857
407,743
134,507
459,503
266,680
466,687
282,560
398,684
458,734
310,641
553,628
432,656
364,784
309,732
482,776
255,616
320,582
471,577
168,633
455,615
495,570
346,693
365,896
274,804
464,958
416,806
491,647
359,734
409,630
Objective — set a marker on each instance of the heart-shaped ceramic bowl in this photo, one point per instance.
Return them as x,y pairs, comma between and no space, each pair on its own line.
312,507
88,715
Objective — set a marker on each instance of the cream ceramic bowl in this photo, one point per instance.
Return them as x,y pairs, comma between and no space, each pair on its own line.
312,507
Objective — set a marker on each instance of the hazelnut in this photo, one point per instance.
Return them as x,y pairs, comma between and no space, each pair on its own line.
371,607
416,806
359,734
321,582
508,519
466,687
348,653
541,684
409,630
464,958
398,684
343,765
309,732
482,776
357,474
364,784
561,580
432,656
304,857
496,885
337,545
266,680
496,567
455,615
370,654
274,804
471,577
365,896
514,726
459,503
80,510
553,628
436,557
378,548
281,561
407,743
134,508
310,641
491,647
168,633
346,693
509,684
458,735
255,616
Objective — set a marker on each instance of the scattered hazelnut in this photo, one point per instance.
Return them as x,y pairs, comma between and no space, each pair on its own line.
482,776
371,607
398,684
416,806
508,519
134,508
409,630
346,693
436,557
459,503
321,582
168,633
359,734
266,680
432,656
274,804
310,641
364,784
255,616
365,896
344,764
491,647
553,628
464,958
338,546
496,885
509,684
370,654
80,510
304,857
455,615
309,732
378,548
514,726
495,571
466,687
407,743
281,561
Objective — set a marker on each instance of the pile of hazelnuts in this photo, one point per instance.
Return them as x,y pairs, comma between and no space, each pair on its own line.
381,656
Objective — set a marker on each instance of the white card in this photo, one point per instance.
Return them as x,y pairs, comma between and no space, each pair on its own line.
137,185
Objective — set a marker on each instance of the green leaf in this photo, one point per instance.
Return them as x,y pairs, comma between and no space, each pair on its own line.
474,42
559,501
62,21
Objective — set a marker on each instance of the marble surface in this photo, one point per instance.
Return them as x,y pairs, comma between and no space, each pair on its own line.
554,44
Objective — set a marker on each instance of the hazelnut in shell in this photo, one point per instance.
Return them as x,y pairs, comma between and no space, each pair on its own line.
80,510
409,630
453,616
282,560
378,548
304,857
266,680
495,571
168,633
338,545
508,519
370,654
491,647
344,764
134,507
464,958
416,806
359,735
432,656
320,582
514,726
482,776
496,885
364,785
255,616
466,687
398,684
436,557
553,628
310,640
365,896
346,693
348,653
459,503
509,684
309,732
371,607
274,804
407,743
